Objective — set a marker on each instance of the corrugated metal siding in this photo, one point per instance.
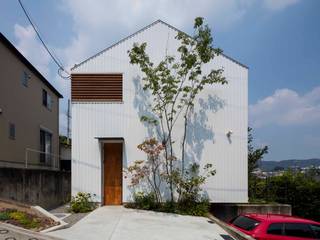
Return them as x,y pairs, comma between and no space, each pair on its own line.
219,109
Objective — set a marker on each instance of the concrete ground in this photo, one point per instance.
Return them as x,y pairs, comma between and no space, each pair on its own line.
64,214
119,223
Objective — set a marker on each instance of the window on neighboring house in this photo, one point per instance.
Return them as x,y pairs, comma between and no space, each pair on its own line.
12,131
46,99
25,79
45,146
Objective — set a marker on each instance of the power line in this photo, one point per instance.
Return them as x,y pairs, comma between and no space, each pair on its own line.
55,59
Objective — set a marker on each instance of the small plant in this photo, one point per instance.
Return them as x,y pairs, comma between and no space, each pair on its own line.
5,215
198,208
23,219
188,185
81,203
146,201
150,171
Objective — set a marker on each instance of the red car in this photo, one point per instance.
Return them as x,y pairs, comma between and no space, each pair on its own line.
276,227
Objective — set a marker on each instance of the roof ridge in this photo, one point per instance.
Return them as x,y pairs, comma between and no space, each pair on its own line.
117,43
141,30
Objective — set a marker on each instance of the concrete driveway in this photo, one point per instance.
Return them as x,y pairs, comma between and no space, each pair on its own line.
119,223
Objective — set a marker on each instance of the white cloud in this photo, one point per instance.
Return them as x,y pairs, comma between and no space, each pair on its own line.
279,4
286,107
97,25
31,48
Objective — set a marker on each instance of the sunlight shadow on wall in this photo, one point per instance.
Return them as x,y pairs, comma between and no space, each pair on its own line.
199,130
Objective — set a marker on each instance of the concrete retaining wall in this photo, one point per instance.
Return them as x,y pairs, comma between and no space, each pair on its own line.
45,188
228,211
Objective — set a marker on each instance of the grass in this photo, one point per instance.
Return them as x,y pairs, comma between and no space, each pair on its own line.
19,218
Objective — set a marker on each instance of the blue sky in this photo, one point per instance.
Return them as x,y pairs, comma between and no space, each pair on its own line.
278,39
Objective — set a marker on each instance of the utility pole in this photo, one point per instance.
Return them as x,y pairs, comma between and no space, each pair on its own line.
68,120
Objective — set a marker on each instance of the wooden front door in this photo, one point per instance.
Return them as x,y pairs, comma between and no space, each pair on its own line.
113,173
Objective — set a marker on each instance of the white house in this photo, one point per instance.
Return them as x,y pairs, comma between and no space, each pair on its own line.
108,101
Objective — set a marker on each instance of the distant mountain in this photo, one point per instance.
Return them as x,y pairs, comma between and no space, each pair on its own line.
270,165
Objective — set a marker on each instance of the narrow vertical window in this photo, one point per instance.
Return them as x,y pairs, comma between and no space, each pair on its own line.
12,131
49,102
25,79
46,99
45,146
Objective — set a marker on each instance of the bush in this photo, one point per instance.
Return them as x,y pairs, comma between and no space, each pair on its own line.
146,201
4,215
187,207
189,189
81,203
199,208
299,190
22,218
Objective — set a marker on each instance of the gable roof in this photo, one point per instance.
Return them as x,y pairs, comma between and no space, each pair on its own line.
16,52
141,30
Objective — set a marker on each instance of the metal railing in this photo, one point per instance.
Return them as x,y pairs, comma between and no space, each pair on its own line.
39,159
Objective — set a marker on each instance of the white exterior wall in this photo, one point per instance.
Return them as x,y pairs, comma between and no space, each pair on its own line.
207,136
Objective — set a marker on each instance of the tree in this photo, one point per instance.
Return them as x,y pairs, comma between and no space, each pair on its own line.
174,84
254,156
149,171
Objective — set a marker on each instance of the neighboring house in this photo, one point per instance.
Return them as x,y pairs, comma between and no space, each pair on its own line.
65,153
108,101
29,113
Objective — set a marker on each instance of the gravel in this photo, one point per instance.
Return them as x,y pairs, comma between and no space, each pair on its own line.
63,213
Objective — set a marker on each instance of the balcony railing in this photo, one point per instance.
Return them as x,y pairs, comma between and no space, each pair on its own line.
41,160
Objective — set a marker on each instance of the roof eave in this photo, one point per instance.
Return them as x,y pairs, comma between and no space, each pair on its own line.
16,52
141,30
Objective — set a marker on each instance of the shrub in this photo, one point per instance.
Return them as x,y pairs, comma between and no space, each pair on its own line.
146,201
198,208
5,215
23,219
81,203
151,171
189,188
299,190
188,185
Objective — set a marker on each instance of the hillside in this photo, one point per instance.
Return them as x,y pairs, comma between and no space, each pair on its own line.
270,165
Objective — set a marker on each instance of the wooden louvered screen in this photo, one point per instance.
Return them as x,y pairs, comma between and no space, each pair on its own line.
96,87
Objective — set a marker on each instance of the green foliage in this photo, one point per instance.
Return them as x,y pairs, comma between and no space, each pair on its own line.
301,191
188,185
254,156
21,218
5,215
174,84
146,201
64,140
81,203
151,171
198,208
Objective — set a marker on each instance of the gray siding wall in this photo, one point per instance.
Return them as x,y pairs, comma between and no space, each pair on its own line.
23,106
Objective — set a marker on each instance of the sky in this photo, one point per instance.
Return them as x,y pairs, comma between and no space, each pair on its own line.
278,39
